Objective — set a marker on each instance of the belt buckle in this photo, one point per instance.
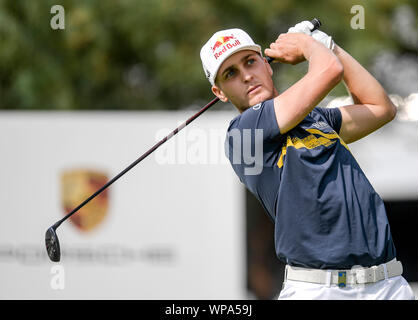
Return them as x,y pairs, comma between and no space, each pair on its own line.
360,274
366,275
342,279
374,275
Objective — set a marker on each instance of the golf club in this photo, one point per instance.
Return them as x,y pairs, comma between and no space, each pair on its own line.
51,238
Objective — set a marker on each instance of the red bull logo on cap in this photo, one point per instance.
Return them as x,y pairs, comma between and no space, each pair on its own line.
224,44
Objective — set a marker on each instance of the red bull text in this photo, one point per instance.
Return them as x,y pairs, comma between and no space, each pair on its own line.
225,43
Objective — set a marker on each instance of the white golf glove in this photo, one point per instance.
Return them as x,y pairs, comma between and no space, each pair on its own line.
306,27
302,27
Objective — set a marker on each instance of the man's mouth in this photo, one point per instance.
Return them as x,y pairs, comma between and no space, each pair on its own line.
253,89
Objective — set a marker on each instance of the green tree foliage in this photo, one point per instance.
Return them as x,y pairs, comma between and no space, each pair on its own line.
144,54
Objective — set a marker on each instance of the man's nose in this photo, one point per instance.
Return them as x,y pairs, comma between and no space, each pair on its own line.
246,76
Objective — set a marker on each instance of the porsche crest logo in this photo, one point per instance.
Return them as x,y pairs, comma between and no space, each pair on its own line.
77,186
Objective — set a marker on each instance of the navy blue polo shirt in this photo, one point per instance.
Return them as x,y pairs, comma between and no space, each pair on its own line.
326,213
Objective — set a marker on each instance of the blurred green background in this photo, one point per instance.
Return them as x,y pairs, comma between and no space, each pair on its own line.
144,54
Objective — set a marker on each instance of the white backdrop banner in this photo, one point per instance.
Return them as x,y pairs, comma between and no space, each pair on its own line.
171,228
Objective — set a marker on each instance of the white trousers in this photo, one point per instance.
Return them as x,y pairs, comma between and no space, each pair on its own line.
396,288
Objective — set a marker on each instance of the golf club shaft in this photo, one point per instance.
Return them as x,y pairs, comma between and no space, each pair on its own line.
146,154
316,24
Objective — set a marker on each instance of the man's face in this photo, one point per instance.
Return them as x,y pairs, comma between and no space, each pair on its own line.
244,79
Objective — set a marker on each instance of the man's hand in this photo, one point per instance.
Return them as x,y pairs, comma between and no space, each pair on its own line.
306,27
288,48
324,73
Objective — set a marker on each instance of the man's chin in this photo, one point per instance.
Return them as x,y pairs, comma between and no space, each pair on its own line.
259,99
255,100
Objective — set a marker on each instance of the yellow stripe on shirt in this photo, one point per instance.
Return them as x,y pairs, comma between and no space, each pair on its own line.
310,142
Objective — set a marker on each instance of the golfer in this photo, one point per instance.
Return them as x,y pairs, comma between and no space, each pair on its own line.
330,225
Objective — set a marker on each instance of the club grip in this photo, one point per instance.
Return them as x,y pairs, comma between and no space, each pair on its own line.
316,23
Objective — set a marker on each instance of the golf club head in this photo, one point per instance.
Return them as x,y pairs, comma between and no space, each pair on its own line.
52,245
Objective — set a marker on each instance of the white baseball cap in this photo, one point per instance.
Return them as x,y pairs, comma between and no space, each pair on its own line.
222,45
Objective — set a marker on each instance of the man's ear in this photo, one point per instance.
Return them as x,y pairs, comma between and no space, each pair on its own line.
219,93
270,69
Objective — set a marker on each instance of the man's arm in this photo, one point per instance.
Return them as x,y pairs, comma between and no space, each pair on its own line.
324,73
372,109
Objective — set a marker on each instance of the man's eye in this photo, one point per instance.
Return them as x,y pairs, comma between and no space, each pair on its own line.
229,74
250,61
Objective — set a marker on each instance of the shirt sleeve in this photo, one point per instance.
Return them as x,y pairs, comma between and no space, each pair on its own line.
333,117
253,139
261,116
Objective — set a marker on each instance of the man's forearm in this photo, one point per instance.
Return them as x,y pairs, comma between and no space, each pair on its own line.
363,87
